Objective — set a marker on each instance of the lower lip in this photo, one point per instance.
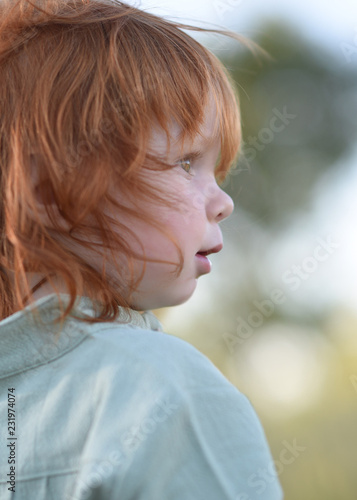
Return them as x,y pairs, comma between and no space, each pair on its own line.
204,263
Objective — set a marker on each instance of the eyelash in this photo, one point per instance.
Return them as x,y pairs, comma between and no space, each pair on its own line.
186,161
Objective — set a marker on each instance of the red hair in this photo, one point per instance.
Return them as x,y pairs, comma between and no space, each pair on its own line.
81,85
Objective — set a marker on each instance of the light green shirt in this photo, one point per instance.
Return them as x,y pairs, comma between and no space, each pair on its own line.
115,411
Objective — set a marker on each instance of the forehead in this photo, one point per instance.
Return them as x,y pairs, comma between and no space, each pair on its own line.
208,135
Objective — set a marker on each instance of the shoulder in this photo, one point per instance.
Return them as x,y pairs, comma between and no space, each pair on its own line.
180,403
172,358
167,367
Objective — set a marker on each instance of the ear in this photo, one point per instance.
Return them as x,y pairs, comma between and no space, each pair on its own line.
47,209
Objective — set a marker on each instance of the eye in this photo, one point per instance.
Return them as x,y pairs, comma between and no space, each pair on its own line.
188,162
185,163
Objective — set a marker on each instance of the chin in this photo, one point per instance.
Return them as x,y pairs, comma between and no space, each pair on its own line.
181,298
168,298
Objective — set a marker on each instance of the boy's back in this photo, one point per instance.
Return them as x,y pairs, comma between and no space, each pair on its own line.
124,412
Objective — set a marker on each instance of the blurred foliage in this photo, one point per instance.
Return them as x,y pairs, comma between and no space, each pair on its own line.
326,469
312,86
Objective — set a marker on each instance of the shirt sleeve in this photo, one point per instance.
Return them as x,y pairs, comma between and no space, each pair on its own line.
201,440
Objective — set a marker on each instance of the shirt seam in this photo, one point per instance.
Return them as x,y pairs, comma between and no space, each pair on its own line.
47,361
44,474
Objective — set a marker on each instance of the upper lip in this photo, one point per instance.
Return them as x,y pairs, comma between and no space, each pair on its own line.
215,249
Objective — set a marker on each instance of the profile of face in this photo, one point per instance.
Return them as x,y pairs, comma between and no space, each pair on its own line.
193,222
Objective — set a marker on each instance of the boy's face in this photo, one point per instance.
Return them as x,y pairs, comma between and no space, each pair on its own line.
193,221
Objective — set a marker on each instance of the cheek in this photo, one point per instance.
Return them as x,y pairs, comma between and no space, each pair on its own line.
188,213
179,227
154,242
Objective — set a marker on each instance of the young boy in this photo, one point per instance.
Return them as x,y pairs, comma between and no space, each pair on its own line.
115,126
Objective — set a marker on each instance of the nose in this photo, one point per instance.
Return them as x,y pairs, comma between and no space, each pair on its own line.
221,205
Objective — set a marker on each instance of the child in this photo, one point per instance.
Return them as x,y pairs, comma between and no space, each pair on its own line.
115,126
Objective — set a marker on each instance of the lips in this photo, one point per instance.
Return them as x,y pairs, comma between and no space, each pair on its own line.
215,249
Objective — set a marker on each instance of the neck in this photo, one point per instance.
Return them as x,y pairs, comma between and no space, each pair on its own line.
39,286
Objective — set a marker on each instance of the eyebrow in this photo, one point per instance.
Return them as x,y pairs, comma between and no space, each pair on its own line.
201,144
192,155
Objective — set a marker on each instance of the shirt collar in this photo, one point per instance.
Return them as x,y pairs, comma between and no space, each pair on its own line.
26,343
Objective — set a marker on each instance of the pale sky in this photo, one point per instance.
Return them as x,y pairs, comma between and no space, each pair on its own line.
331,23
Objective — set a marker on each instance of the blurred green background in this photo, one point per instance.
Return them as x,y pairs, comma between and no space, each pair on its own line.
278,313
